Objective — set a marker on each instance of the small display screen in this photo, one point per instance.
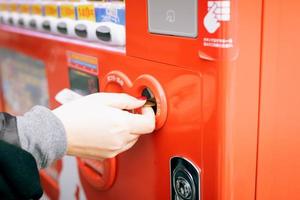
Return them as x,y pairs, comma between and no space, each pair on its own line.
83,83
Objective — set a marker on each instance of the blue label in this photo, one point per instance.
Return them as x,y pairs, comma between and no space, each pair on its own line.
115,15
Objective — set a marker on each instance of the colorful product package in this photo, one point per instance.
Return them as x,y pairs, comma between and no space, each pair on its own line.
110,12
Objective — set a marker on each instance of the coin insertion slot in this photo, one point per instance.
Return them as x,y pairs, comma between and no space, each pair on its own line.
32,23
151,100
81,30
62,28
21,22
11,21
46,25
103,33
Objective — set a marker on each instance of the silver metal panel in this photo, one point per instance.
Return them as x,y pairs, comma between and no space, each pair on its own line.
173,17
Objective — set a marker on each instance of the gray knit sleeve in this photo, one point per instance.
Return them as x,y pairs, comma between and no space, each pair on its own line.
42,134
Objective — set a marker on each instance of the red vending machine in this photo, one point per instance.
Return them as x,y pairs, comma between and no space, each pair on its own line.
184,55
199,61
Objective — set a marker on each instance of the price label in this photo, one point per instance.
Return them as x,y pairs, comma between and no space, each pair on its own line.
51,11
67,11
24,8
86,12
36,9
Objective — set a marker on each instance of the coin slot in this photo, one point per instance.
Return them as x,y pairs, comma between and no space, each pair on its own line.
46,25
148,86
103,33
32,23
151,100
81,30
62,28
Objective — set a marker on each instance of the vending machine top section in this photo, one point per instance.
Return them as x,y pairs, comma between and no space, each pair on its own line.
95,23
182,33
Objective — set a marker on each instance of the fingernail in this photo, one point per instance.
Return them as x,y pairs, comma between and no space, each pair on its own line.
142,98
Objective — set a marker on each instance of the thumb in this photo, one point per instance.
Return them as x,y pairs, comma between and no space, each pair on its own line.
142,123
121,101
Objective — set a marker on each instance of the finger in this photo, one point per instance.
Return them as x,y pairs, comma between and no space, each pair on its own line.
126,147
133,139
130,137
123,138
213,8
120,101
142,123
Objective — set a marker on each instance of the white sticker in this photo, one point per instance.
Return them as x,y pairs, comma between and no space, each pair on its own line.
218,43
66,95
217,11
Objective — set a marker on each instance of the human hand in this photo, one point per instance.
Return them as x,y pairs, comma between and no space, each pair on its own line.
99,126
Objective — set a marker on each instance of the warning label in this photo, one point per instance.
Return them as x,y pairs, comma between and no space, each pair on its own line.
218,43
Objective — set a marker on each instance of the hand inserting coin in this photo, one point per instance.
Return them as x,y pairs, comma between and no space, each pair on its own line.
211,22
150,102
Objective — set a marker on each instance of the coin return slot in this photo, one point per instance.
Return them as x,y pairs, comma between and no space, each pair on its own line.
62,28
81,30
32,23
94,166
151,100
103,33
46,25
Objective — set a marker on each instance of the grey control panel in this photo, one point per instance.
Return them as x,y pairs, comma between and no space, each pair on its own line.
173,17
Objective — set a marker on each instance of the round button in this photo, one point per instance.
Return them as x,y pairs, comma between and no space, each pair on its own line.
1,20
32,23
81,30
183,184
183,188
